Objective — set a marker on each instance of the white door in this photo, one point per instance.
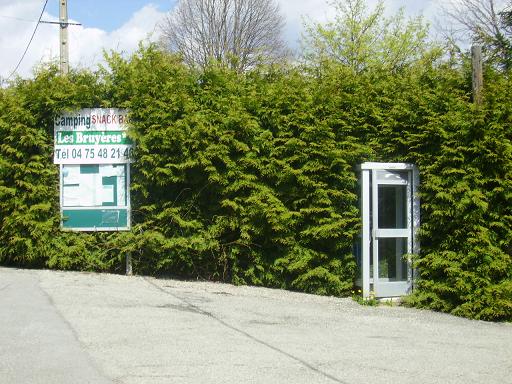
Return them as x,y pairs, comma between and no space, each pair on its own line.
391,235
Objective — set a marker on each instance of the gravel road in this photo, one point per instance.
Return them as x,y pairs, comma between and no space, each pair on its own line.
66,327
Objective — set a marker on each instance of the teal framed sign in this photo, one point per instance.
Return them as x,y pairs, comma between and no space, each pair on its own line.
94,154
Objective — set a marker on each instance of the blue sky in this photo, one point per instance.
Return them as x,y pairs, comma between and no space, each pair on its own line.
106,14
112,14
121,24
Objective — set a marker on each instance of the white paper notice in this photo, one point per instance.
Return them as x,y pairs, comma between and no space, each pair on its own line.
112,170
71,174
71,196
107,194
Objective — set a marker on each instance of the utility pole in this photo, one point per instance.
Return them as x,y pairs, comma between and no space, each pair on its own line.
64,42
478,78
64,47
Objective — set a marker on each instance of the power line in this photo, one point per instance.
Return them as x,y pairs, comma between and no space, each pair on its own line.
30,41
40,21
17,18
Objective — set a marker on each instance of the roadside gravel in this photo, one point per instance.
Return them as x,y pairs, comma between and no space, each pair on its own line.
145,330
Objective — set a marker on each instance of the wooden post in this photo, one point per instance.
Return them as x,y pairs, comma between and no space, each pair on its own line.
129,269
478,78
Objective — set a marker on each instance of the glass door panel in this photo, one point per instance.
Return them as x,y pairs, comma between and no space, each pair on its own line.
392,206
392,265
392,177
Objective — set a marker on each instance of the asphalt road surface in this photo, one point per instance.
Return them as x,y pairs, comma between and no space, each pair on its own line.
73,328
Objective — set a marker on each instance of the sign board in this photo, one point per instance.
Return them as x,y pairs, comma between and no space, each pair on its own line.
94,155
92,136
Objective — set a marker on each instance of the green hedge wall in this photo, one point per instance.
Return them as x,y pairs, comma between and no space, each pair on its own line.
250,178
237,178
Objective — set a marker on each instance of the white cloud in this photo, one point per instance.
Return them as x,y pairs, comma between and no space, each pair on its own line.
298,11
86,44
16,34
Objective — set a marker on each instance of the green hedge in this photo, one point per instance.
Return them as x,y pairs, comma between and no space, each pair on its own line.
250,178
237,178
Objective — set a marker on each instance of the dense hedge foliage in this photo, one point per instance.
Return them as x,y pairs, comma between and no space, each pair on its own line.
237,178
250,178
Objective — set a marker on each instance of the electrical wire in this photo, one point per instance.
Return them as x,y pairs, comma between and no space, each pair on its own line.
30,41
17,18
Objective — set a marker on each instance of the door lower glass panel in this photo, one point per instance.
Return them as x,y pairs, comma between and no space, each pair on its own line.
392,264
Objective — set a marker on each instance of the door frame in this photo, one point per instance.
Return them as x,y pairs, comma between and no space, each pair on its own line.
370,236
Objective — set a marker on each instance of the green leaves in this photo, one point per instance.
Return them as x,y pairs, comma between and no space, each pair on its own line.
241,179
465,247
365,39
